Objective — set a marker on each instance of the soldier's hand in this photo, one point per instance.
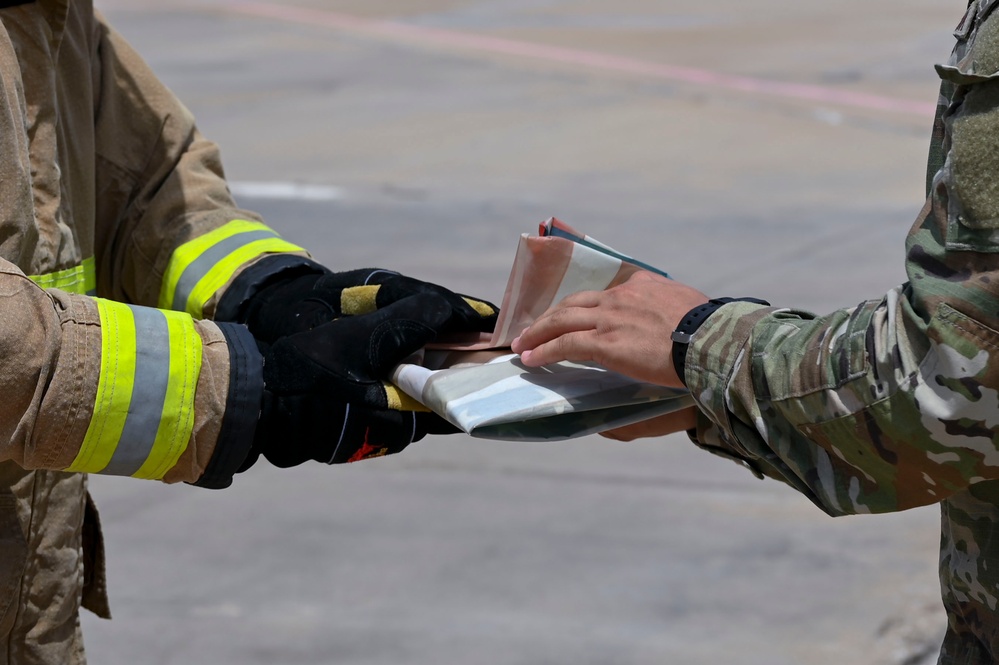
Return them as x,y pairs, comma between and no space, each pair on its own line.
626,328
669,423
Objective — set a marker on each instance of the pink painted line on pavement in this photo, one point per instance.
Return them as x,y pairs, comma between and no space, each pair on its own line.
583,58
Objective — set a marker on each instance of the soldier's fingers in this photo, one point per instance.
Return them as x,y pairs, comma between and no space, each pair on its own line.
579,346
679,421
583,300
553,325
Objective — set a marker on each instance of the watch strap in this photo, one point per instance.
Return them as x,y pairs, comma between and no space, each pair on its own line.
688,325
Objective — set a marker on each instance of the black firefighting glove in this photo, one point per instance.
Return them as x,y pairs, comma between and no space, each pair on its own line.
294,429
324,394
309,295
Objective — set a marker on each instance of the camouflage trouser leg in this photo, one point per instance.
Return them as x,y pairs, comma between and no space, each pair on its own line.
41,566
969,576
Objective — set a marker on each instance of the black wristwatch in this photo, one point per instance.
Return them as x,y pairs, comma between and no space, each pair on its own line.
689,324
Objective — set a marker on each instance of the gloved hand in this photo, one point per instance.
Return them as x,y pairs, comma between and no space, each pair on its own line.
349,357
304,301
329,340
294,429
324,394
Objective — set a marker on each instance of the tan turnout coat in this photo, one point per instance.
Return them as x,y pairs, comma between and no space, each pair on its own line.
104,179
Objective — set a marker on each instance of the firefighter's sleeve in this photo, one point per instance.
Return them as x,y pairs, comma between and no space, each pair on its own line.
168,234
105,387
893,403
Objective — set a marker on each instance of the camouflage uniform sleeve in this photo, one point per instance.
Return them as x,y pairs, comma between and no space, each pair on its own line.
893,403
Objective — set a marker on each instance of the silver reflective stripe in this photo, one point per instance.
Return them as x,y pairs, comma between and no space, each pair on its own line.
201,266
145,411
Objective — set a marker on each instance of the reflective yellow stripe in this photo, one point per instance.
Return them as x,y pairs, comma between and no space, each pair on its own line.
144,407
187,253
81,279
357,300
114,389
200,267
481,308
177,419
224,269
400,401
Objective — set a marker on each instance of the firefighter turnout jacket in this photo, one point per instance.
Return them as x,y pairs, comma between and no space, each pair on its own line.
118,236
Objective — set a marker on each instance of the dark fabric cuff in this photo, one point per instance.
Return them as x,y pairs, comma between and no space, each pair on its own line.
711,438
246,389
259,275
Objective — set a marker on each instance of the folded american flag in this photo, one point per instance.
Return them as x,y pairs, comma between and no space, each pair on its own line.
483,389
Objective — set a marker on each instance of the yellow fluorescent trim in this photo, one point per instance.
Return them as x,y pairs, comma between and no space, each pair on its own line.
114,388
177,419
216,278
400,401
357,300
481,308
189,252
79,279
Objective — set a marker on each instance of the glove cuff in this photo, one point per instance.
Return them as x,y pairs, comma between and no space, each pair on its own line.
246,387
265,272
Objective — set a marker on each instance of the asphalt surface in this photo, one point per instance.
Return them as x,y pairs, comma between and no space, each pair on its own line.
750,148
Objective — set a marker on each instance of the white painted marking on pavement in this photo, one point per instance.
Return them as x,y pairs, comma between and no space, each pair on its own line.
285,191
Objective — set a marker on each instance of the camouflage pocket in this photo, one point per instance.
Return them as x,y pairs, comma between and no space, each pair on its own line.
967,358
829,362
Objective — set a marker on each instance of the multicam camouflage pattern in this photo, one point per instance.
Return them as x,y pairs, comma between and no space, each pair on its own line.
893,403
